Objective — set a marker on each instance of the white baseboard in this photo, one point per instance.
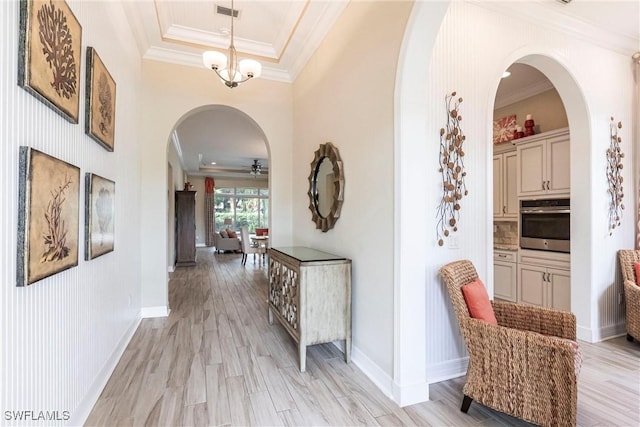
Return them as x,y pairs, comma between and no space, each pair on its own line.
82,411
171,269
200,245
612,331
585,334
150,312
379,377
443,371
411,394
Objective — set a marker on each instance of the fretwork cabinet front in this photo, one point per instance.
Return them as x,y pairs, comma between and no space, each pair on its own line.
310,294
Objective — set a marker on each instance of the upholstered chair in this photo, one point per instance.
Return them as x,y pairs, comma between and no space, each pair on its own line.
247,246
627,258
526,365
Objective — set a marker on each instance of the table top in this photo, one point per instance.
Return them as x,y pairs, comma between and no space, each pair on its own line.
259,237
304,254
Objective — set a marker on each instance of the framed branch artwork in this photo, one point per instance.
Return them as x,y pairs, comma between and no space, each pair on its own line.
48,218
99,213
49,55
100,104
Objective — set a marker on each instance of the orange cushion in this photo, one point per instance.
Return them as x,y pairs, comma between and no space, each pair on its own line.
232,234
477,299
636,266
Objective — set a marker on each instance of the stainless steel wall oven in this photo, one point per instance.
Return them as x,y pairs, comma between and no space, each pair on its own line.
545,225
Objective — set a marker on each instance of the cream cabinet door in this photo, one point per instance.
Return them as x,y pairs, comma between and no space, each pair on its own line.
531,172
558,166
510,188
497,186
505,277
532,288
560,294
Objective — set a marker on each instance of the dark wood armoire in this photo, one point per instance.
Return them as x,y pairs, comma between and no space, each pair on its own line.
185,228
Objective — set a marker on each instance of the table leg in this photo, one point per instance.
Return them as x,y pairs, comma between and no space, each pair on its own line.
347,350
302,350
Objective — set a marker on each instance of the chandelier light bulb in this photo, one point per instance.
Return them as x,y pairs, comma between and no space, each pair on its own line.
213,60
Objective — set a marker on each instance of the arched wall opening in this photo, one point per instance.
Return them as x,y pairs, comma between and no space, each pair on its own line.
231,117
579,131
437,58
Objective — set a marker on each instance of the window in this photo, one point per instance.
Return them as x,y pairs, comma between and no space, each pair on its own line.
244,206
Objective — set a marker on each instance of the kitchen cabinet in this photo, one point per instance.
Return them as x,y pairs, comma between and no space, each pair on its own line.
185,228
544,165
505,193
545,282
505,275
310,295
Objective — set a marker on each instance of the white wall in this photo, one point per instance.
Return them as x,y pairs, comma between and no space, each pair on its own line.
474,45
61,336
345,95
169,93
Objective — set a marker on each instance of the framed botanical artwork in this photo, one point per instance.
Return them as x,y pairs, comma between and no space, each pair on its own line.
49,216
100,105
49,55
503,129
99,212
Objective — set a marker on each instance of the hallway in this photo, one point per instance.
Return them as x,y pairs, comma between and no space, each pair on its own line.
216,361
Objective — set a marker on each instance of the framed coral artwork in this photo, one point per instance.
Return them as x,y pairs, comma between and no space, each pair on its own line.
100,105
49,55
48,218
503,129
98,216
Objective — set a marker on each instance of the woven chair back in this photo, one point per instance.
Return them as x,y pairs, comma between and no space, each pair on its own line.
457,274
627,258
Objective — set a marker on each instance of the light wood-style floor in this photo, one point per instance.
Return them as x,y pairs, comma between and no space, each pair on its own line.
216,361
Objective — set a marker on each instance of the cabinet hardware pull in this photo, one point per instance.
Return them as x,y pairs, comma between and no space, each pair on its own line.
504,209
543,185
548,185
502,256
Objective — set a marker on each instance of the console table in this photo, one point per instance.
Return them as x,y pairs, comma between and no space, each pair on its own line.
310,294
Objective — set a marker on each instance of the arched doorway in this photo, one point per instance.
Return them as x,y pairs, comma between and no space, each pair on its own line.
220,142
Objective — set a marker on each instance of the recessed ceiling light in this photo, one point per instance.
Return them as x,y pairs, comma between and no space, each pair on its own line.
213,163
506,74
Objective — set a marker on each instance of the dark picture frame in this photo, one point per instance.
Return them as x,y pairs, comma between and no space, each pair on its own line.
99,216
48,217
49,55
100,102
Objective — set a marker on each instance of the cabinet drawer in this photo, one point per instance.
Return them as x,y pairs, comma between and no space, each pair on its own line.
506,256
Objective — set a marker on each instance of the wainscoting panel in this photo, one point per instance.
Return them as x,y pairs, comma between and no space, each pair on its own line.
58,334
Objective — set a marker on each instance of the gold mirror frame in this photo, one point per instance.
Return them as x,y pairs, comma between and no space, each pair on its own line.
329,151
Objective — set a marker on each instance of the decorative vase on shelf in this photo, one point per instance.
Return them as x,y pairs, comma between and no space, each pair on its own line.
528,126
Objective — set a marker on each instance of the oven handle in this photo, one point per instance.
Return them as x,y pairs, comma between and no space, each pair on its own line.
544,211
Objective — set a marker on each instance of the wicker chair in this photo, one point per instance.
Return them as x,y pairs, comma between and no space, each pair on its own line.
631,292
527,365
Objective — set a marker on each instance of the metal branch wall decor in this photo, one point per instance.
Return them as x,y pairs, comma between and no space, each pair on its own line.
451,169
614,176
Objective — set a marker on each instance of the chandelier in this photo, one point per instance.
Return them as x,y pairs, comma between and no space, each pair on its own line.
256,168
227,67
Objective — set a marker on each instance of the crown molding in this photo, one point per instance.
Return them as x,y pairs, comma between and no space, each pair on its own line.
551,15
205,39
195,60
524,93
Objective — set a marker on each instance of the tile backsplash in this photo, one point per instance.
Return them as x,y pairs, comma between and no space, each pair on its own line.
505,233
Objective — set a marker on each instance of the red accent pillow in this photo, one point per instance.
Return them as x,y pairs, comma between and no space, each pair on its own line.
477,299
636,265
232,234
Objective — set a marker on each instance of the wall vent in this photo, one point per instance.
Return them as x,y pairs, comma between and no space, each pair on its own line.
227,11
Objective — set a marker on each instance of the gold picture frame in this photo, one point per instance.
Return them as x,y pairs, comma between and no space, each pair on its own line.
99,216
49,216
100,103
50,44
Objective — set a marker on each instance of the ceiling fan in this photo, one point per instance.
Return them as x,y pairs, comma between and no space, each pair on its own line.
256,168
